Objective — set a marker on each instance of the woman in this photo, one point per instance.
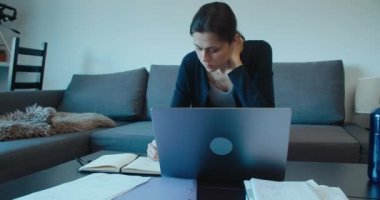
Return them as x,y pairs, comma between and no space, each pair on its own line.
224,70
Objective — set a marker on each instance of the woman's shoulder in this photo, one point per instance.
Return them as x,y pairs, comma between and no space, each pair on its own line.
191,57
190,60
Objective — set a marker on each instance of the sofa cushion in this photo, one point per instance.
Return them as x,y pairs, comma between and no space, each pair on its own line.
314,91
25,156
324,143
120,95
161,85
362,136
133,137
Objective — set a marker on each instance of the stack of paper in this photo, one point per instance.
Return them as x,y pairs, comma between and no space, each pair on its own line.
257,189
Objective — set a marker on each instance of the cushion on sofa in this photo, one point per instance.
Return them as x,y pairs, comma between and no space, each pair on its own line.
161,85
25,156
314,91
133,137
120,95
325,143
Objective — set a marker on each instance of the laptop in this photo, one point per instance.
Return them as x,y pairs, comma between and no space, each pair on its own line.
222,143
163,188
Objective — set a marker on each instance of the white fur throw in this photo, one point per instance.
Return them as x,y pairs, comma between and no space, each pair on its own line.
39,121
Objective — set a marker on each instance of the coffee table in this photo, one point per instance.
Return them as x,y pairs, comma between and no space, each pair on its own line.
351,178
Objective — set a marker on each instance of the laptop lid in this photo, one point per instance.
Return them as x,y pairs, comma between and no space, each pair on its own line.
222,143
163,188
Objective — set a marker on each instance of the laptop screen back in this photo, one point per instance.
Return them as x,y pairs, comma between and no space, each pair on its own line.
222,143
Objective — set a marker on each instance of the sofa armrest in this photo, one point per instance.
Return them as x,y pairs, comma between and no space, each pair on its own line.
18,100
362,136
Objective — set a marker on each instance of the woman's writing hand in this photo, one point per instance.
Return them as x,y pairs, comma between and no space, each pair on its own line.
152,151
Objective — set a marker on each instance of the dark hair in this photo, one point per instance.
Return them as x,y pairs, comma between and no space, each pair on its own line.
216,17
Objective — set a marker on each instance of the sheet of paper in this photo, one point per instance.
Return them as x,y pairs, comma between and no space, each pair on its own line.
98,186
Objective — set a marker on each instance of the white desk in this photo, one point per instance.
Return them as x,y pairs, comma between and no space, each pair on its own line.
4,66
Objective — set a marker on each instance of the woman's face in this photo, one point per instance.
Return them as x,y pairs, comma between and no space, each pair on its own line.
212,52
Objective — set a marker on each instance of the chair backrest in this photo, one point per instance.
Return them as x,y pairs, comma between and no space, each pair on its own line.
17,67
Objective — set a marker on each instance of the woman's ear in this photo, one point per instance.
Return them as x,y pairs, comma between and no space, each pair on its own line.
238,34
236,38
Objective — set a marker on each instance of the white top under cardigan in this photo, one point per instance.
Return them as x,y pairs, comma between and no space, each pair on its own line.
219,98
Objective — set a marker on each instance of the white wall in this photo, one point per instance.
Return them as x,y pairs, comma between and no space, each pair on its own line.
86,36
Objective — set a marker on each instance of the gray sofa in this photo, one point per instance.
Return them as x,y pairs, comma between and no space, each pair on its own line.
314,91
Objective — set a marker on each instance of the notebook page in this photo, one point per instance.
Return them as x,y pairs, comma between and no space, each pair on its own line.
113,161
143,164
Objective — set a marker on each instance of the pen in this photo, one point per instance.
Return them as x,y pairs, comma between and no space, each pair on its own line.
81,161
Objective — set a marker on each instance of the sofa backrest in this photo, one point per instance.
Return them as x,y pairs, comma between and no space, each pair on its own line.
314,91
120,96
161,85
20,99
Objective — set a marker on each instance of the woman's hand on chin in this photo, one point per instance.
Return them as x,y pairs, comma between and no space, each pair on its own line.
237,48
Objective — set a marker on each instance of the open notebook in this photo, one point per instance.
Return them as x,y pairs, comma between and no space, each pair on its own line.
123,163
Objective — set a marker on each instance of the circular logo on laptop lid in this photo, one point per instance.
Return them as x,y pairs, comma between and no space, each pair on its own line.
221,146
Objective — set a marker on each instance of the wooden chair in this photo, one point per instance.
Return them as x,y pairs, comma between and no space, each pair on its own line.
17,67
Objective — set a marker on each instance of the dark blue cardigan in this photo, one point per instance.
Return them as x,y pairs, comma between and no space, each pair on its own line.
252,82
